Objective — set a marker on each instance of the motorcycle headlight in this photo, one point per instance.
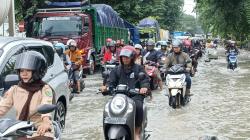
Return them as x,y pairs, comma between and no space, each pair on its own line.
118,104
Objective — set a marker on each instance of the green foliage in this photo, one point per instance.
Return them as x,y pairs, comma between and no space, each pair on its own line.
167,12
227,18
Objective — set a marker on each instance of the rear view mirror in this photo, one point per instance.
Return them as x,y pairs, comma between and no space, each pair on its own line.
188,61
46,108
84,76
10,80
105,74
141,75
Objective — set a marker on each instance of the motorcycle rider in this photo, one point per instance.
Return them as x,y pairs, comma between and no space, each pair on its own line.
164,49
60,49
31,91
150,54
112,54
231,47
127,73
180,57
75,57
139,59
105,48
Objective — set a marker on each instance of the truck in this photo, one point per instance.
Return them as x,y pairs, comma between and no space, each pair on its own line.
149,29
164,35
88,25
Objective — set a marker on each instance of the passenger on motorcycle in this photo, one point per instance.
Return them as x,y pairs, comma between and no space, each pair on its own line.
164,49
139,59
187,45
30,92
112,54
150,54
180,57
76,58
60,49
128,73
105,48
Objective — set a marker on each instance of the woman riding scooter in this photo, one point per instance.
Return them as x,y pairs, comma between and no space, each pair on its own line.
30,92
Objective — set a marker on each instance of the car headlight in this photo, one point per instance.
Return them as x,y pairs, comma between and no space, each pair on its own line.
118,104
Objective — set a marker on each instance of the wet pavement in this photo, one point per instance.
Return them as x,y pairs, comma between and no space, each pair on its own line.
219,107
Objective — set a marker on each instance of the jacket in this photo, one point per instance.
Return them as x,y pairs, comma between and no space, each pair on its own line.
75,56
153,55
17,96
128,77
181,58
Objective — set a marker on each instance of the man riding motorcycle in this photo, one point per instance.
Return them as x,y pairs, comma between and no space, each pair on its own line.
150,54
180,57
127,74
105,48
76,58
231,47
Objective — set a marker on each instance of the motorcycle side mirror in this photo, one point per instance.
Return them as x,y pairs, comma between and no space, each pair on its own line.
84,76
141,75
46,108
105,74
188,61
10,80
43,109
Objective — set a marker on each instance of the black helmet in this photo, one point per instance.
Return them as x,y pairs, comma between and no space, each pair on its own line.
34,61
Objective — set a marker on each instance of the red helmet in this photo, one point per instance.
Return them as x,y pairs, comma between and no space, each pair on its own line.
128,51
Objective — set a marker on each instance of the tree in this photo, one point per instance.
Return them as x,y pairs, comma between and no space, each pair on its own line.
224,17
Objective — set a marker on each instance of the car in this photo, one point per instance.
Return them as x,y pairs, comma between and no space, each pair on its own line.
55,76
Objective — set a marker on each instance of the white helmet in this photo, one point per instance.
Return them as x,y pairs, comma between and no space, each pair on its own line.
138,46
71,42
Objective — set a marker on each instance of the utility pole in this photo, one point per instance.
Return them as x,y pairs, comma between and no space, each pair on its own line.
11,18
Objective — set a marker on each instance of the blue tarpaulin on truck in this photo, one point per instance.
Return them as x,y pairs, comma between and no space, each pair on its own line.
65,4
134,32
148,22
107,16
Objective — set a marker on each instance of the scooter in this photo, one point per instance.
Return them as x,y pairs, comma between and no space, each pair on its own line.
162,68
14,129
150,68
176,86
119,115
107,68
232,60
73,82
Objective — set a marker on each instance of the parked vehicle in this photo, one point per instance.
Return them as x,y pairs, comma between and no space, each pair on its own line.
89,26
56,76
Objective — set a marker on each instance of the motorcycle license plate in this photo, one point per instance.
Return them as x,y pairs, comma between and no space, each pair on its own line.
112,120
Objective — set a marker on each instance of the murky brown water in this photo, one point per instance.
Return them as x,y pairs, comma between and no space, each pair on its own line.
219,107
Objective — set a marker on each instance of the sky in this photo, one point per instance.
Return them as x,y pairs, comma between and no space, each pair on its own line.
188,7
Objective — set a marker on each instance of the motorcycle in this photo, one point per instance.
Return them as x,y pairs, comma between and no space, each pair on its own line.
119,115
150,68
162,68
176,86
107,68
232,60
14,129
73,81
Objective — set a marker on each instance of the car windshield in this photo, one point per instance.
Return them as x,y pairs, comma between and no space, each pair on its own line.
57,26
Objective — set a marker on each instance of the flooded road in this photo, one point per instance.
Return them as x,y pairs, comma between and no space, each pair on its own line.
219,107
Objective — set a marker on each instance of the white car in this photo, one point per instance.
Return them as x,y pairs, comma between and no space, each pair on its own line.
56,77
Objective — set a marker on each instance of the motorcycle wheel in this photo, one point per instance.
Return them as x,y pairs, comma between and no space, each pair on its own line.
82,85
172,102
123,138
153,83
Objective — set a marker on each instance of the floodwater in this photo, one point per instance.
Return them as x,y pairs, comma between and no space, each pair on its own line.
220,107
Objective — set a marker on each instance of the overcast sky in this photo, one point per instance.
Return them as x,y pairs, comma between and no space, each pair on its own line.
189,6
